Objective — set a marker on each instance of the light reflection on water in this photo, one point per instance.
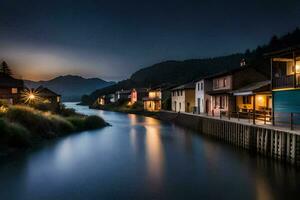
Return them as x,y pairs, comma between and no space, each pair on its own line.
143,158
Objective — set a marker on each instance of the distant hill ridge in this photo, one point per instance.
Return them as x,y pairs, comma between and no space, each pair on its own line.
71,87
179,72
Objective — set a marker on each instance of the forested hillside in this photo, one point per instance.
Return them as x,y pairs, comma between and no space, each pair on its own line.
176,72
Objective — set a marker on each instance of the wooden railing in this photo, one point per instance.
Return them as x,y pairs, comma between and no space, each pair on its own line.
283,82
289,120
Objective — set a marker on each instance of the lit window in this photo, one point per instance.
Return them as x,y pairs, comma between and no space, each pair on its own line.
14,90
298,67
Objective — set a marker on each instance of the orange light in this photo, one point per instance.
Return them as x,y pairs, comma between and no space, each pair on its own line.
31,96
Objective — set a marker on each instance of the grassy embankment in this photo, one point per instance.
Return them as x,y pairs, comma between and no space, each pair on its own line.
21,126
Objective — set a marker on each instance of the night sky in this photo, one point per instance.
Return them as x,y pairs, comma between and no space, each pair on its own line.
112,39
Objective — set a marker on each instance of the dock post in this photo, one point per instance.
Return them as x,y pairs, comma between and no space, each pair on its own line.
254,109
292,121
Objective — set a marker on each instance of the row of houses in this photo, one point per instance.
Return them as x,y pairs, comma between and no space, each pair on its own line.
243,90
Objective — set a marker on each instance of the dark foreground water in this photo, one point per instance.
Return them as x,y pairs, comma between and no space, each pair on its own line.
143,158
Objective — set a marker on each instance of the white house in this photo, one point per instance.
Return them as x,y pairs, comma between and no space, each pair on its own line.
183,98
202,99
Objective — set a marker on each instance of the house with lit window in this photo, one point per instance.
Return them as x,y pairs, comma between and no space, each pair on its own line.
183,98
202,99
152,102
48,97
158,98
223,84
285,76
10,89
137,94
101,100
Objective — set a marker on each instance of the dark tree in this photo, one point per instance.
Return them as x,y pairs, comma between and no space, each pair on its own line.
4,69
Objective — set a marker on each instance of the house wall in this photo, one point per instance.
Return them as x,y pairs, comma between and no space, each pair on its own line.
178,100
202,100
133,96
199,96
189,100
10,95
151,105
218,106
222,83
183,100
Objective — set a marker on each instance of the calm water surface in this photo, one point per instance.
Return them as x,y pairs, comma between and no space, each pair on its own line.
143,158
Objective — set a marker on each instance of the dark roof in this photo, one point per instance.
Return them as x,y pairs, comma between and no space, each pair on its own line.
8,81
219,92
283,52
46,92
262,86
185,86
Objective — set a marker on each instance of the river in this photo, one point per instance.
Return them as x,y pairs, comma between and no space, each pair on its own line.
143,158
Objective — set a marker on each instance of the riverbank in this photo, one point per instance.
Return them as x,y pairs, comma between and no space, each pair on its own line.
23,127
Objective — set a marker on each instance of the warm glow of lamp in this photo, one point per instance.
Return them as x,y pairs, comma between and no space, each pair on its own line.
31,96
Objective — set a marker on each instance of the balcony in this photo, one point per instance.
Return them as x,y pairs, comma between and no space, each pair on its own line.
283,82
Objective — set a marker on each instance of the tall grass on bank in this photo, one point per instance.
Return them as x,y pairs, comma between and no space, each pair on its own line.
39,123
19,125
12,134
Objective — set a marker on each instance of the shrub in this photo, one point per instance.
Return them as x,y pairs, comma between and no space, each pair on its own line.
87,123
94,122
13,134
77,122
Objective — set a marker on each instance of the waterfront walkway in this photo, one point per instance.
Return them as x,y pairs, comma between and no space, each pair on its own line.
258,123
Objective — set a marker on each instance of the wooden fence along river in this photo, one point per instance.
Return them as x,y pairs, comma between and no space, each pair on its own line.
279,144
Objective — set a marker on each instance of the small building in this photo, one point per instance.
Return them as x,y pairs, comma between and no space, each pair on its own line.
153,103
138,94
202,99
158,98
123,95
222,100
285,76
106,99
10,89
183,98
47,96
101,100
